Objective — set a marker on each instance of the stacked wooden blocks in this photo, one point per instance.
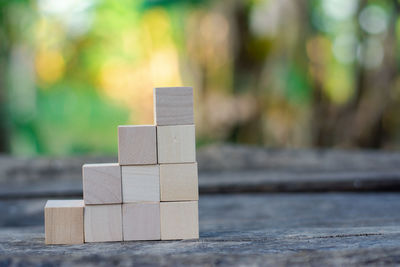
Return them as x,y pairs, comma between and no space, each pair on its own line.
151,194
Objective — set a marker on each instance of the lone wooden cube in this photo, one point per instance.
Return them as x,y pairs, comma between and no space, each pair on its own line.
103,223
176,144
141,221
179,182
173,105
137,145
64,221
140,183
102,183
179,220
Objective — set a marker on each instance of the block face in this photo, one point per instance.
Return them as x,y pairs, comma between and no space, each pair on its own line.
102,183
179,220
179,182
176,144
141,221
173,105
137,145
64,222
140,183
103,223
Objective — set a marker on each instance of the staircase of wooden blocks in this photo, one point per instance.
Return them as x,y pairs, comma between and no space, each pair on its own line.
150,194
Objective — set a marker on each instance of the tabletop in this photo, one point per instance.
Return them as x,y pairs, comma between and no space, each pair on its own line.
257,207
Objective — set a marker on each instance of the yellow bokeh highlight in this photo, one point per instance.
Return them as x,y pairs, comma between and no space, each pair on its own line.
164,68
131,82
338,85
50,66
130,86
49,34
156,29
336,79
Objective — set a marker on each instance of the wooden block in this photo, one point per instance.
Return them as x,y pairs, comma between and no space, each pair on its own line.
140,183
103,223
173,105
63,222
137,145
102,183
179,182
176,144
179,220
141,221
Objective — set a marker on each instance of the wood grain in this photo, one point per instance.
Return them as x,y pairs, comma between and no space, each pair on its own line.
64,222
179,220
140,183
176,144
173,106
333,229
223,169
103,223
179,182
137,145
141,221
102,183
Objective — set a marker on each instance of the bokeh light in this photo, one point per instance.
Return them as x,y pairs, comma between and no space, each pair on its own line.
267,72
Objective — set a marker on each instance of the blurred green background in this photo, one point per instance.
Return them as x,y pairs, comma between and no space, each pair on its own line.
279,73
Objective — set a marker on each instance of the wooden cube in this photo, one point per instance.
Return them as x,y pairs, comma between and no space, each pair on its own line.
173,105
176,144
141,221
137,145
179,220
102,183
103,223
179,182
64,222
140,183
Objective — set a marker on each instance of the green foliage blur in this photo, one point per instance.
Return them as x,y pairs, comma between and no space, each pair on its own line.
278,73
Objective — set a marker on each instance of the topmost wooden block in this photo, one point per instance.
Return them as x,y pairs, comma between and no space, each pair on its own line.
173,106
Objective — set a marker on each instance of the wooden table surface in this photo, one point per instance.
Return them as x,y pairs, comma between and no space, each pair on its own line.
257,207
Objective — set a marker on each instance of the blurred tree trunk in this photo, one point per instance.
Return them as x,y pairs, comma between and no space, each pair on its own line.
374,89
359,122
322,117
4,49
246,72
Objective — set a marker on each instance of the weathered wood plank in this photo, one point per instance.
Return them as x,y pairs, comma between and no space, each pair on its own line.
258,211
360,257
277,229
253,181
223,169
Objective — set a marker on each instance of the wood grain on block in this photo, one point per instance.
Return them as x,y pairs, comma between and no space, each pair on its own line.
173,105
103,223
102,183
140,183
64,222
176,144
179,220
179,182
137,145
141,221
